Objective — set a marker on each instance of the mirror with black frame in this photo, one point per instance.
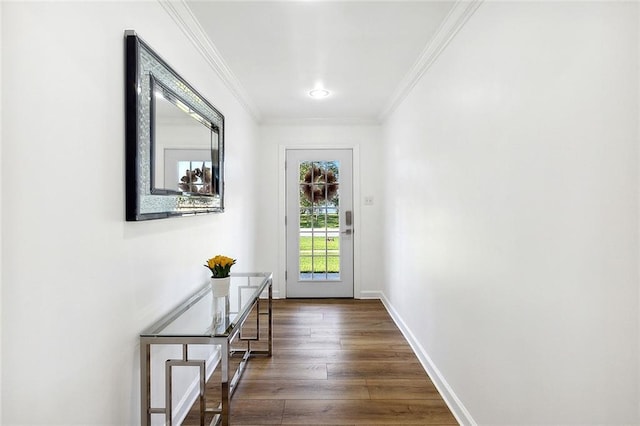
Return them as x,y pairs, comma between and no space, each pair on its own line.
175,141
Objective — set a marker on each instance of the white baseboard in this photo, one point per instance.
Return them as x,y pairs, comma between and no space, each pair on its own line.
371,294
459,411
193,392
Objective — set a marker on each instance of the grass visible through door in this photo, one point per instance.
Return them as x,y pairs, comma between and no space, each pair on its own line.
325,253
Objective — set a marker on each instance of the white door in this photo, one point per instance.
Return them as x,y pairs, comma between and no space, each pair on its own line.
319,223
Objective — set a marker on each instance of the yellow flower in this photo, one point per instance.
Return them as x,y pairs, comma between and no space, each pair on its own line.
220,266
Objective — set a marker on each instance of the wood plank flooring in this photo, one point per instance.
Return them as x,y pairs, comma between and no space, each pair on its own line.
335,362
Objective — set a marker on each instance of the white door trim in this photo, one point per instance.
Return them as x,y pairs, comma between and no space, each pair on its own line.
282,234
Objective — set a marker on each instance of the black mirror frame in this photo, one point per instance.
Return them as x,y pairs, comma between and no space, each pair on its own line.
141,65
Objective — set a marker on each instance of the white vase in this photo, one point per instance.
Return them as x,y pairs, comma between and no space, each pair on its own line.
220,302
220,286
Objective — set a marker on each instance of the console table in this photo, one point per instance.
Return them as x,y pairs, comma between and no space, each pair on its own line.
192,323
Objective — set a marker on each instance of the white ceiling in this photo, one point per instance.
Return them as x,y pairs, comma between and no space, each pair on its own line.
361,51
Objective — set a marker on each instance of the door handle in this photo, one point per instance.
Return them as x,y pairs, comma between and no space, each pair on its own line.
347,232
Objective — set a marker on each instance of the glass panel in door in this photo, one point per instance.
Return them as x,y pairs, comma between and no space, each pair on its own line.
319,198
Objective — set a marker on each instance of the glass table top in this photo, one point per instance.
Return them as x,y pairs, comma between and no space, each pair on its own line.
195,317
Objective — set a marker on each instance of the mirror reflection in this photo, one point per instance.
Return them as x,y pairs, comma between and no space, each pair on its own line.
185,148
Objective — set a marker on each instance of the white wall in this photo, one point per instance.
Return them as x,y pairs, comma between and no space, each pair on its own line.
512,213
1,242
367,138
79,283
638,124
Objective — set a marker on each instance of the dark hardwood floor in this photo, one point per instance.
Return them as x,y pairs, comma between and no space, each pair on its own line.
335,362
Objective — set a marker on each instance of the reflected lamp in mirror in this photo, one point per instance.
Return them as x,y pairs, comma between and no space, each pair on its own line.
174,140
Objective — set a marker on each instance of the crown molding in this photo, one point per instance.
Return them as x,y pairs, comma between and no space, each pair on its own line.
457,17
182,15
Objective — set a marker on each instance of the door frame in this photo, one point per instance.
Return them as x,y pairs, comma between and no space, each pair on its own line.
282,200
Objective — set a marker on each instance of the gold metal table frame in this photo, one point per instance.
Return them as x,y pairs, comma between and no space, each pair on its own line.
190,323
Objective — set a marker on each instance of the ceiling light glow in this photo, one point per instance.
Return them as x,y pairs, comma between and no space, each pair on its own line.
319,93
